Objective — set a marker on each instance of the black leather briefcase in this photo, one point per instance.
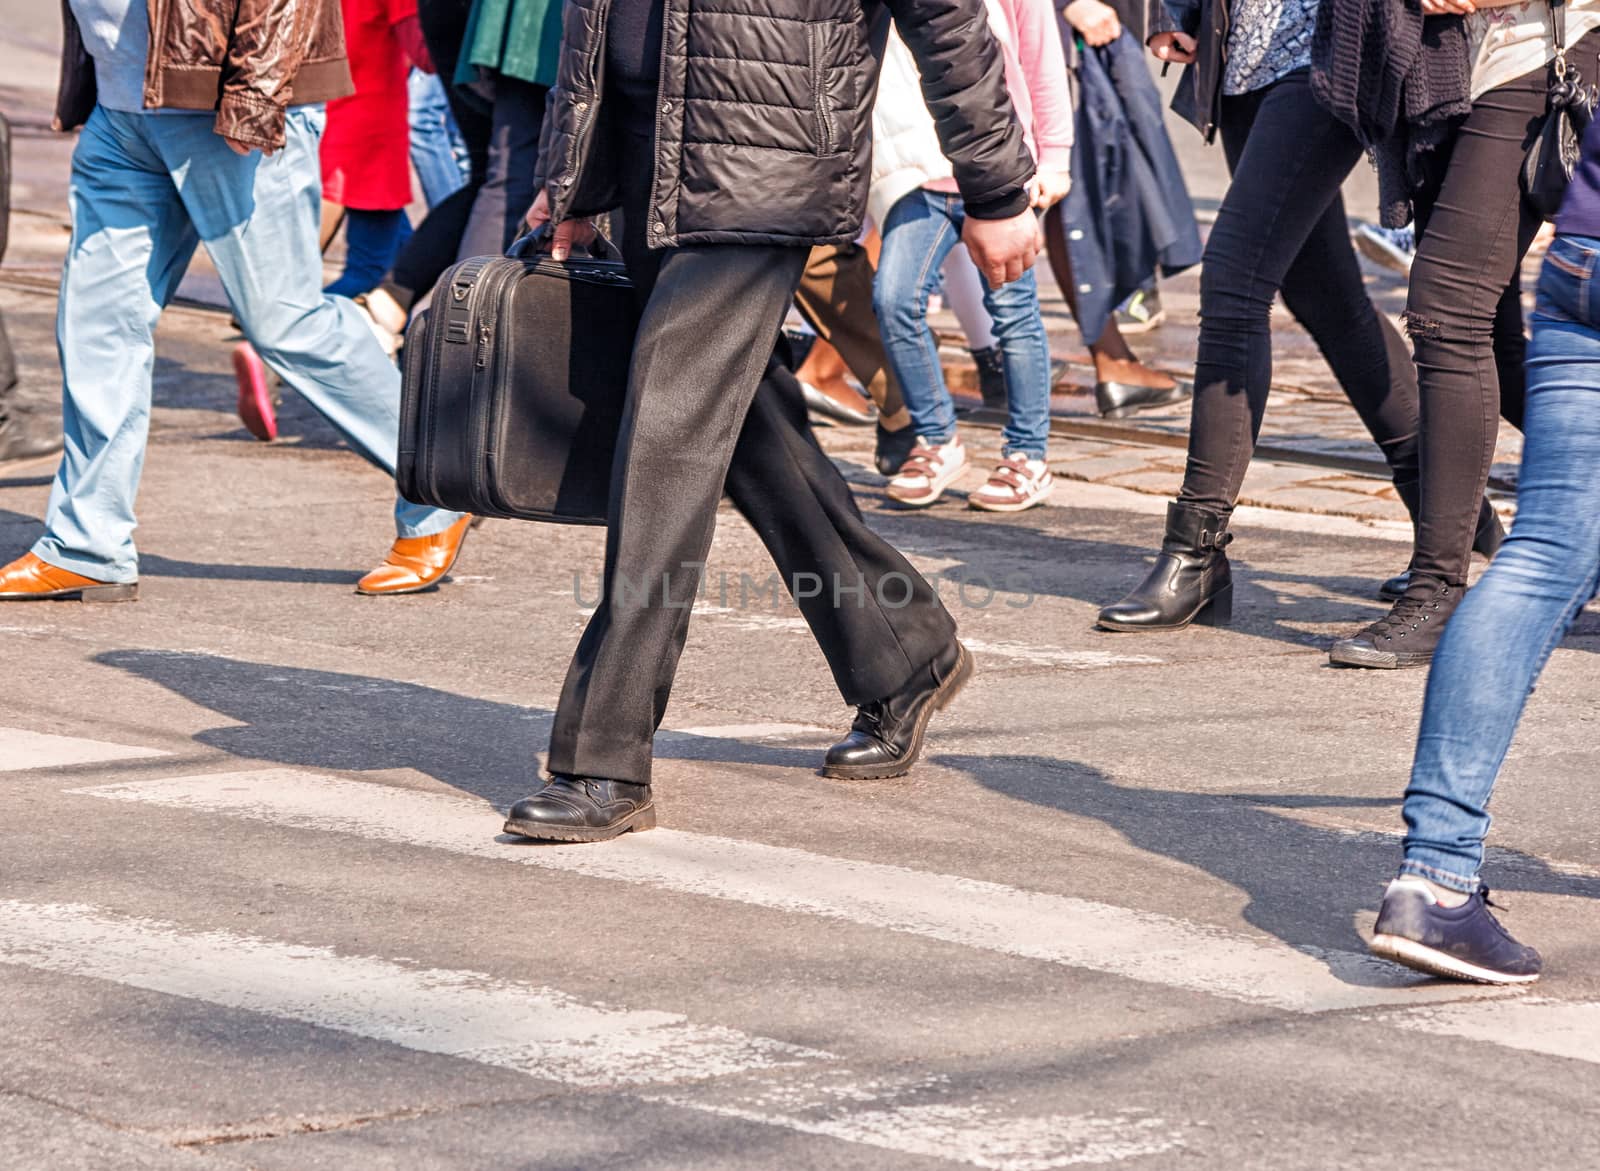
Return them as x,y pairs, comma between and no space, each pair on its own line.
515,379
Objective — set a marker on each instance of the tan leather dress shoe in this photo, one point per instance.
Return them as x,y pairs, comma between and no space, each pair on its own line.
415,564
27,579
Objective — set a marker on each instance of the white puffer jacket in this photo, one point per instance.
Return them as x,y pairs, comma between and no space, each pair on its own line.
905,146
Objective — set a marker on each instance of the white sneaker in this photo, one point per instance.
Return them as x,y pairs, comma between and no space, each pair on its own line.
1017,483
928,471
1393,248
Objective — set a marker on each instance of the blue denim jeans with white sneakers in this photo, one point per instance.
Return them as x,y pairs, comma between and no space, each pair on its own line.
918,233
145,190
1507,626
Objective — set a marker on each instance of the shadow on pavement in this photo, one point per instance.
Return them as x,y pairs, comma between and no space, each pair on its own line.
357,723
1305,883
1100,572
155,565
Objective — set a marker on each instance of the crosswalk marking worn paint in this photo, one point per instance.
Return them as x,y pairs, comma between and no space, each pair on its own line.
464,1014
547,1034
20,750
1078,933
1557,1028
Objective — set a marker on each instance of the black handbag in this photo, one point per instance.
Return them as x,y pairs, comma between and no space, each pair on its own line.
514,385
1569,107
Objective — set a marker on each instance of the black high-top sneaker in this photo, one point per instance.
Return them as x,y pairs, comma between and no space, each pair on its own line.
1408,635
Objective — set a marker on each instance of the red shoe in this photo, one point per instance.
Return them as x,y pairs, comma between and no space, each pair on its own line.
256,409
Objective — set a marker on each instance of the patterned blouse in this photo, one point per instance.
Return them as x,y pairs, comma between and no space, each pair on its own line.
1267,40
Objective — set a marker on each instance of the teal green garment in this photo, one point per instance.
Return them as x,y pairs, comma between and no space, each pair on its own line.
520,38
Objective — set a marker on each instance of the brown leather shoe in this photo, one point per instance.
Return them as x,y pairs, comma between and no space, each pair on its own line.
415,564
27,579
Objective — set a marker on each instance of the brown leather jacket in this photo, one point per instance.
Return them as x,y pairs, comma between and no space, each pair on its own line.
248,60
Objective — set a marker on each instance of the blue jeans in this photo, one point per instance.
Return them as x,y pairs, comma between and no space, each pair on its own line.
372,241
1500,638
437,151
144,191
918,234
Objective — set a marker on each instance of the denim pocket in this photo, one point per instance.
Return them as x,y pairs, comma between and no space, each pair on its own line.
1566,279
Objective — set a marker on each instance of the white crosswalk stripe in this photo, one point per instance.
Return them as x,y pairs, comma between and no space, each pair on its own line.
545,1034
20,750
1075,932
1557,1028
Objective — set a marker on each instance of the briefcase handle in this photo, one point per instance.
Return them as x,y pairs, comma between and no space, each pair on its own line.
531,243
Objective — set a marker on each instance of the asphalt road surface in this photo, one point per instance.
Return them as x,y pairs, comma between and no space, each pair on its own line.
255,910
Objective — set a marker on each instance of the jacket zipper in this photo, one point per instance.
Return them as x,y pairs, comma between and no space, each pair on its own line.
816,44
585,107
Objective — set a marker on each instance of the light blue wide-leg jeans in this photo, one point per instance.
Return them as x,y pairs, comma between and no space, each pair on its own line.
145,189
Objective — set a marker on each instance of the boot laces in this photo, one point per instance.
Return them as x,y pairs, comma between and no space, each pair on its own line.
1411,612
870,718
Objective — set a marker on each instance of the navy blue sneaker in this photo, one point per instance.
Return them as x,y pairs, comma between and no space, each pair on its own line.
1456,943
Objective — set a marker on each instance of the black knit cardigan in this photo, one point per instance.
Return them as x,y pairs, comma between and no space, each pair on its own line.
1400,80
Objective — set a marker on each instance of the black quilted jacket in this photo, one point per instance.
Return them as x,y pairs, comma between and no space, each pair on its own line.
764,129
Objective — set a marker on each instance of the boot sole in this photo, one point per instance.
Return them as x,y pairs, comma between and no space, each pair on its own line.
1421,958
128,592
1018,506
943,698
1359,656
424,587
637,822
1218,611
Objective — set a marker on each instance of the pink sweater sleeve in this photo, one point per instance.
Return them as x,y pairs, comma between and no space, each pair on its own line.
1044,69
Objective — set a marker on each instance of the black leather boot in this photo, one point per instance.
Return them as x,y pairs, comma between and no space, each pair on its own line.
1488,538
886,738
991,377
582,809
1191,580
894,448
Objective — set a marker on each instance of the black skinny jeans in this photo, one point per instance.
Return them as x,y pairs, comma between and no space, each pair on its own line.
1464,311
1282,227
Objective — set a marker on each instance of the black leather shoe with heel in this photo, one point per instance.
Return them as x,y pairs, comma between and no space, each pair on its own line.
1190,582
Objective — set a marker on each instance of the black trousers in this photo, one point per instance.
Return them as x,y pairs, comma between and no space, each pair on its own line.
508,190
434,245
707,411
1282,227
1464,310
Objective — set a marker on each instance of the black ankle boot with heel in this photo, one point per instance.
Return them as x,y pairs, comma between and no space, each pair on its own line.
1191,580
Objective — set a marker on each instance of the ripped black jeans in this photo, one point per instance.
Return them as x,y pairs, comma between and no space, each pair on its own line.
1464,311
1282,228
